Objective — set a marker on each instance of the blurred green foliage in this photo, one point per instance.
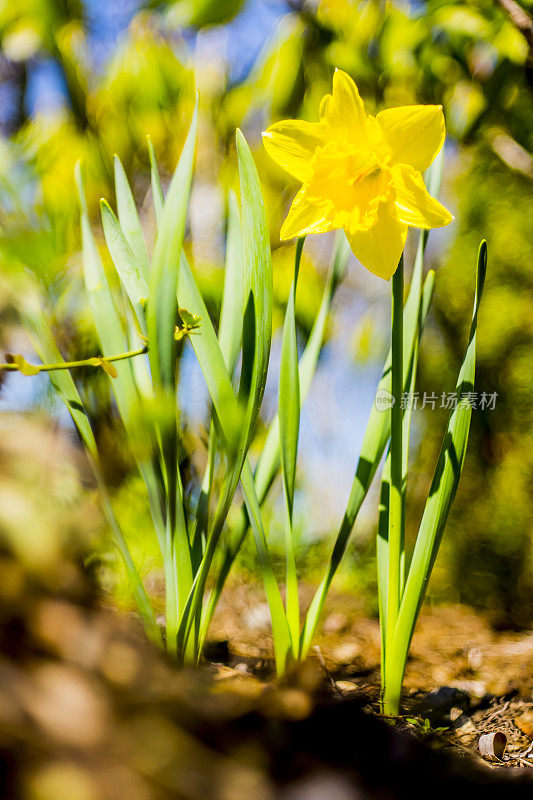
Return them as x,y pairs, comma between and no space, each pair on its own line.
471,57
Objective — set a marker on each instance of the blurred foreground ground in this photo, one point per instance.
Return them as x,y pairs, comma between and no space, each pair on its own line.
89,711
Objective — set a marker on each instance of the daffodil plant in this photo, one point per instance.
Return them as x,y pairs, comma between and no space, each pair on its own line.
139,330
363,174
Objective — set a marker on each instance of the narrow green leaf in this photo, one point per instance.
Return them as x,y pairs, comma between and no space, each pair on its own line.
375,439
289,391
289,429
157,191
129,219
229,337
444,484
283,644
230,418
231,313
161,320
105,316
269,460
258,317
113,340
125,263
257,333
258,287
382,541
42,339
162,308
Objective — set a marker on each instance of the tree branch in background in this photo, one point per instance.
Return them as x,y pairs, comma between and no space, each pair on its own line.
520,19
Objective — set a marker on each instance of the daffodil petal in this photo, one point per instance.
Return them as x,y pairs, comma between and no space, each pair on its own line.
415,134
291,143
414,205
305,217
379,249
345,109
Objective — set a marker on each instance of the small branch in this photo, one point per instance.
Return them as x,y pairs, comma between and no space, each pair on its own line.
511,153
17,363
522,21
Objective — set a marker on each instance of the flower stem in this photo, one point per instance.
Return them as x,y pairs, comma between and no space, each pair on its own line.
396,516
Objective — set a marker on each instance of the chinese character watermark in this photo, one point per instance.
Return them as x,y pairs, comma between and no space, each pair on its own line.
482,401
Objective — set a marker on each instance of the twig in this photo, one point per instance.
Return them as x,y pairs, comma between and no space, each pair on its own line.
328,674
18,363
522,21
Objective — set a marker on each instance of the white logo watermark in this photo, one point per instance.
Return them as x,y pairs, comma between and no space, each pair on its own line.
384,400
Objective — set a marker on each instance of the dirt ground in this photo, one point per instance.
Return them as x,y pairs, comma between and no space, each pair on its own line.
90,711
463,680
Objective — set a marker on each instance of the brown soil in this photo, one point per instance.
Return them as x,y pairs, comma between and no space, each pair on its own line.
90,711
463,678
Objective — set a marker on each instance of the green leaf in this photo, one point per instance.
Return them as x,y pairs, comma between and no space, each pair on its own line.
258,288
269,459
289,428
210,358
129,219
163,307
257,333
383,524
230,419
157,192
443,487
112,341
105,317
161,321
375,439
42,339
125,262
231,313
289,391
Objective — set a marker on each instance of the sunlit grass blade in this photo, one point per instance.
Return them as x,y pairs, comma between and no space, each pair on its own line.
283,644
269,460
113,340
105,316
238,420
210,357
129,218
157,192
125,263
258,287
289,391
229,415
229,337
289,429
440,499
382,540
231,312
165,266
375,439
44,343
162,312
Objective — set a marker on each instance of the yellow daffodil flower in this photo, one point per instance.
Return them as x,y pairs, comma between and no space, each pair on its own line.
361,173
